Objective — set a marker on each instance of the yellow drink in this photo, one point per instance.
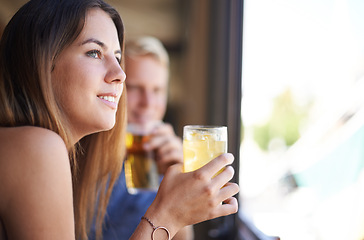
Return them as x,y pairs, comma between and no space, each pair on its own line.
141,171
201,144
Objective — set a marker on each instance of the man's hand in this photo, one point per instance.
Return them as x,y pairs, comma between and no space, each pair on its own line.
166,145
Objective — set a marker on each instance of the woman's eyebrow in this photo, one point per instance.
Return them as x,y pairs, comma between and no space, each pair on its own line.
101,44
93,40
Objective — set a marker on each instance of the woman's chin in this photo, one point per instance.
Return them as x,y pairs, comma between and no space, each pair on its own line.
106,126
110,125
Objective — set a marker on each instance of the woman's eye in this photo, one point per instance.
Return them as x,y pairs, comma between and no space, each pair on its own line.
118,59
94,54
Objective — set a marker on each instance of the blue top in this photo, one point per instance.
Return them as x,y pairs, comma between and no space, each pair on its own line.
124,211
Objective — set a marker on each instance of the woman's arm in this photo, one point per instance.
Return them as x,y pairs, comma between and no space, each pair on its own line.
188,198
185,233
37,184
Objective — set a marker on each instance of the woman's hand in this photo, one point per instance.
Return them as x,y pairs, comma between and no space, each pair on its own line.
189,198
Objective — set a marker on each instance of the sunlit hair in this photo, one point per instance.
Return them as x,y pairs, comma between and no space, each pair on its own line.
147,45
29,47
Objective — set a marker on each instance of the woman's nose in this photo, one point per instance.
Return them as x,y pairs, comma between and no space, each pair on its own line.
115,73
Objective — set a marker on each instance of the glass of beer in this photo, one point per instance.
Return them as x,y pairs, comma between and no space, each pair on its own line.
201,144
141,171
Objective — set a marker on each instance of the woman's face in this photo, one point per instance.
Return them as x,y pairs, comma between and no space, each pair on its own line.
87,76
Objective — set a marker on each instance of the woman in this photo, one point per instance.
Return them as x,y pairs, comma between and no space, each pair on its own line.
61,81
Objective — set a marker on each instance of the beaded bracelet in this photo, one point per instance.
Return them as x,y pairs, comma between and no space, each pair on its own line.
156,228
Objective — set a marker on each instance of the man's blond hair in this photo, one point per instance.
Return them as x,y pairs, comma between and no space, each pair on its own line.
147,45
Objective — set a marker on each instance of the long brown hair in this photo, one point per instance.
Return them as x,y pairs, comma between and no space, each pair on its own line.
30,44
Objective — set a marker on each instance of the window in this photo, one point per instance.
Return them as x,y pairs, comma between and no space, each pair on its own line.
302,157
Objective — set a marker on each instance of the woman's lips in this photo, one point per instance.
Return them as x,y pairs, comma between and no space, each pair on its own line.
110,100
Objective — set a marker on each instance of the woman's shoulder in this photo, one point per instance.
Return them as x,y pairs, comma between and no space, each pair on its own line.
34,172
27,132
28,139
30,146
25,148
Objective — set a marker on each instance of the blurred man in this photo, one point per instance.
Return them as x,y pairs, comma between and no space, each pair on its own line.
147,70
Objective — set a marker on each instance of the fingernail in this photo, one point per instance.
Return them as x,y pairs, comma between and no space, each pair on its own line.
230,157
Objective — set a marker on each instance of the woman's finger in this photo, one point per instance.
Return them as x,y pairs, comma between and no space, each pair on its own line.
229,190
215,165
225,176
230,206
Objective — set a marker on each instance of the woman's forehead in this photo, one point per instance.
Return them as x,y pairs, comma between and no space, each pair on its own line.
99,25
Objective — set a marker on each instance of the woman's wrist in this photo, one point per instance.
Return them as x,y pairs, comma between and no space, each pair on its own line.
161,217
155,232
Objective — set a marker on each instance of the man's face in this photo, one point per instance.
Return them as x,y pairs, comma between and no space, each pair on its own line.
146,83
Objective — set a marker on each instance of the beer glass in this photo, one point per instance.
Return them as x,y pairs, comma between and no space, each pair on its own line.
201,144
141,171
